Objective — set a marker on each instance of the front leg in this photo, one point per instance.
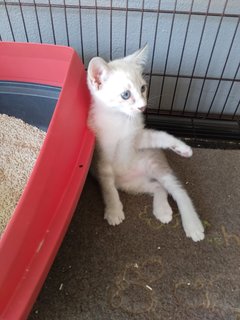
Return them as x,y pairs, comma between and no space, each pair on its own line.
160,139
113,207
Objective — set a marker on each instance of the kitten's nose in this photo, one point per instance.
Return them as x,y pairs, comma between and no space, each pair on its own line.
142,108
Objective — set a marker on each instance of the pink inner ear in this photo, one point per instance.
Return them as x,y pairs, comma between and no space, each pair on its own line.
97,72
97,77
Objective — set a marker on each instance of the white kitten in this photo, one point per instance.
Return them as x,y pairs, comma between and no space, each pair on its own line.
128,156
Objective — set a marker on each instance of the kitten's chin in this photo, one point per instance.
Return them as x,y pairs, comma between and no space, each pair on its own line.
139,111
134,114
142,109
129,112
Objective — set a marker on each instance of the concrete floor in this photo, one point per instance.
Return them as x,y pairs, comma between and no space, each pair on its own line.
142,269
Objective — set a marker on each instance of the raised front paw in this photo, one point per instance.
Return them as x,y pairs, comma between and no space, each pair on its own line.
182,149
114,216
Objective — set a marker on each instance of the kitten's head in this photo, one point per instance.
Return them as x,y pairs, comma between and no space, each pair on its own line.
119,84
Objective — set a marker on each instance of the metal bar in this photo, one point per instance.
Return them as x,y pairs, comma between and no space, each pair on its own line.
148,10
9,20
96,26
222,130
188,115
111,30
180,63
51,17
223,70
210,59
23,20
154,49
66,22
37,19
126,27
168,49
141,24
236,110
229,91
185,76
196,59
81,33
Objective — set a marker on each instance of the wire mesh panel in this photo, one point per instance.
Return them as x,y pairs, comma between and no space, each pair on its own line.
194,57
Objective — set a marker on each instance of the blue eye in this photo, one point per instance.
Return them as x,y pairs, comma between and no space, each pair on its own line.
143,88
126,95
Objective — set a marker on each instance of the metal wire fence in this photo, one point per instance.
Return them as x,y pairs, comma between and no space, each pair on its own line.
194,62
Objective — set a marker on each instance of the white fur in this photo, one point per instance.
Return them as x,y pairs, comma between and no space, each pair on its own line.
128,155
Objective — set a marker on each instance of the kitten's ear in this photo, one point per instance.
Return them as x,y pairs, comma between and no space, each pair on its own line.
139,57
98,71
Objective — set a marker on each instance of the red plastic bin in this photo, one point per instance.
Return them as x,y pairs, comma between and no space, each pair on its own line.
33,235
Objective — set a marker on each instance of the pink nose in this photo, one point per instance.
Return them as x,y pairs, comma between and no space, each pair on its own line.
142,108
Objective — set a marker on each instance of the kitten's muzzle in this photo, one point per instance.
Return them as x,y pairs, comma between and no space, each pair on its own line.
142,109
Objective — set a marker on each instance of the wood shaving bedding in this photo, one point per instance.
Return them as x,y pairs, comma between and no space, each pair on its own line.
20,144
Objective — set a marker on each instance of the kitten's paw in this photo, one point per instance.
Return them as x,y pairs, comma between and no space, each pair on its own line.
114,217
194,229
182,149
164,213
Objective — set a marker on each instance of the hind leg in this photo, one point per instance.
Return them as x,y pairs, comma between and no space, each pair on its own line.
159,170
191,223
141,182
145,181
161,208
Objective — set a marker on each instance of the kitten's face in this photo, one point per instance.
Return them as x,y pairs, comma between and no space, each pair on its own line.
119,84
124,91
